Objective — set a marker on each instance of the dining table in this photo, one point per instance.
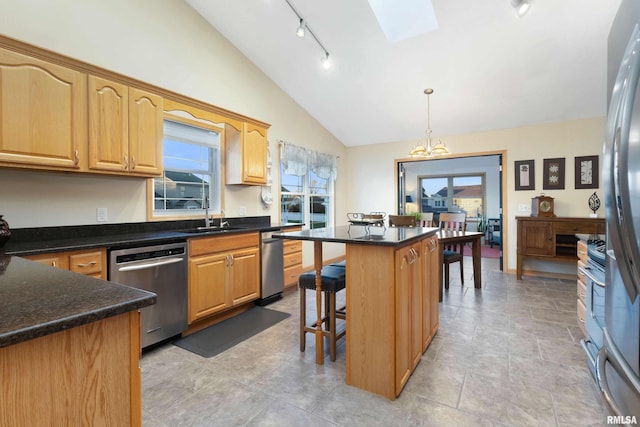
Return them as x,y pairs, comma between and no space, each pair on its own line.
453,237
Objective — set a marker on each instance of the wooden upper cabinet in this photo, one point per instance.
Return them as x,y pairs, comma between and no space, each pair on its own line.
255,154
125,132
108,125
145,132
246,155
42,114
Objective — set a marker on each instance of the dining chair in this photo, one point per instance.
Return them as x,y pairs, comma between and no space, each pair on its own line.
402,221
454,252
427,219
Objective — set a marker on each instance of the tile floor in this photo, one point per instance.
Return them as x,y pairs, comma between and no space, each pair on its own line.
505,355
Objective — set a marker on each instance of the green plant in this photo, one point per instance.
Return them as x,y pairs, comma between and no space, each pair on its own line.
417,216
483,224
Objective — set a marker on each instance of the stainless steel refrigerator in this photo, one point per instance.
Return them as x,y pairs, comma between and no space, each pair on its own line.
618,369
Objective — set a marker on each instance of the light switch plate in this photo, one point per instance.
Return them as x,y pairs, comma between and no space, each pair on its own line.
102,215
243,211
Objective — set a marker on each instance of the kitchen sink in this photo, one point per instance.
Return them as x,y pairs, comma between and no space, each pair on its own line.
212,230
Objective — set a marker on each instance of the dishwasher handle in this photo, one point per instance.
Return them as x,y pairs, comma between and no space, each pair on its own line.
152,264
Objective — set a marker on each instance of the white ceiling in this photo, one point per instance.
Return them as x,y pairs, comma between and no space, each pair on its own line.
489,68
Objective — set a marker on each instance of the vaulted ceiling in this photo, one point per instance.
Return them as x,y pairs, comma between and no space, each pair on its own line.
489,68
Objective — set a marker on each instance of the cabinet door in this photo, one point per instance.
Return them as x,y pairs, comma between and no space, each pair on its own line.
42,113
535,238
429,290
207,285
408,313
245,275
254,154
108,125
145,133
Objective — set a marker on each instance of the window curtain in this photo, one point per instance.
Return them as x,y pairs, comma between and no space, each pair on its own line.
294,158
298,160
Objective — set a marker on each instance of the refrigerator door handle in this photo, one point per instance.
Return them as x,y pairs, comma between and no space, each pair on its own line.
619,125
609,353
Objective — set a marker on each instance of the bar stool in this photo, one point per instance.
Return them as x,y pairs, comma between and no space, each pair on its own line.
333,281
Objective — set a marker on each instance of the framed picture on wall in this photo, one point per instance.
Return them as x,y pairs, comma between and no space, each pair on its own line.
587,172
525,175
553,174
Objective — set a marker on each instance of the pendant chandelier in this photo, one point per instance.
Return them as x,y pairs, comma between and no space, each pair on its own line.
439,148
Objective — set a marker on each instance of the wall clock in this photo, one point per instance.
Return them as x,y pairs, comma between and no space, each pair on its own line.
542,206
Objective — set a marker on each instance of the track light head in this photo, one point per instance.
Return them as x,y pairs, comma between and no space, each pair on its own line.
521,6
302,29
326,61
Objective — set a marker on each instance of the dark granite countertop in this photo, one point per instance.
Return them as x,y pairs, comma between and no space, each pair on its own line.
37,300
360,234
32,241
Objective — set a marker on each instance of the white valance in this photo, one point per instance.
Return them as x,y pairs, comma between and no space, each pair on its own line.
298,160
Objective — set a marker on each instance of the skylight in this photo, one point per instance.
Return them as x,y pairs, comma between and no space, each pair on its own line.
404,19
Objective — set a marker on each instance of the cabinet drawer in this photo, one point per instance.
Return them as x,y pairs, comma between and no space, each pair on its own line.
581,276
292,259
291,274
89,263
50,259
582,291
291,246
582,317
229,242
574,227
582,251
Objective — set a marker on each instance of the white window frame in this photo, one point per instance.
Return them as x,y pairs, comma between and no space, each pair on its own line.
215,196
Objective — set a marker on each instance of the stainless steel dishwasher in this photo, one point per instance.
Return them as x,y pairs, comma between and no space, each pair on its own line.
161,269
272,266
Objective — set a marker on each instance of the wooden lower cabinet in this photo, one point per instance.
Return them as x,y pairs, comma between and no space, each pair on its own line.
292,253
84,376
224,272
430,290
91,262
552,239
391,292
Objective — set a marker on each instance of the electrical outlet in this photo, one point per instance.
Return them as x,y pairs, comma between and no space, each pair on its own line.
243,211
523,207
102,215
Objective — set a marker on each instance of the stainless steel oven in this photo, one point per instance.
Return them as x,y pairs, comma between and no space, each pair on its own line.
594,272
161,269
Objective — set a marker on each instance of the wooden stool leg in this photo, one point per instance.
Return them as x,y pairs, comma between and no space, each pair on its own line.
446,276
461,272
303,319
332,326
327,310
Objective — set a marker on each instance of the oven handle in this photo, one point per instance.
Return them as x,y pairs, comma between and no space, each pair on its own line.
150,264
610,353
586,272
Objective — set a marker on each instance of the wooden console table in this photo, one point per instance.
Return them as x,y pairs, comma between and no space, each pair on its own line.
552,239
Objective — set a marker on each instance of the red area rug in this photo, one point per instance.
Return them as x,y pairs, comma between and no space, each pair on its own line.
485,251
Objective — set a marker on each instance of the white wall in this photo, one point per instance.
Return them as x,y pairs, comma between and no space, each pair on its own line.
165,43
371,191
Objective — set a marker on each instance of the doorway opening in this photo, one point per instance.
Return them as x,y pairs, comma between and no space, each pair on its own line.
471,184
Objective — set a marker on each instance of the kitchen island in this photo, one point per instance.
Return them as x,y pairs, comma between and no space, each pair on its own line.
391,300
69,347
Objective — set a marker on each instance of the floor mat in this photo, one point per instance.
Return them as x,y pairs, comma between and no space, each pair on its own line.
224,335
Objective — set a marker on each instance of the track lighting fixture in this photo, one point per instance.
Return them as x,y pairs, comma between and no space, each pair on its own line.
303,29
521,6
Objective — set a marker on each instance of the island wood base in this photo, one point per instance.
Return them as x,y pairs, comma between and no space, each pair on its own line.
88,376
392,312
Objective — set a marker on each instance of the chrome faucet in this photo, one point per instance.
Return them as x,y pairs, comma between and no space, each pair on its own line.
207,219
223,223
